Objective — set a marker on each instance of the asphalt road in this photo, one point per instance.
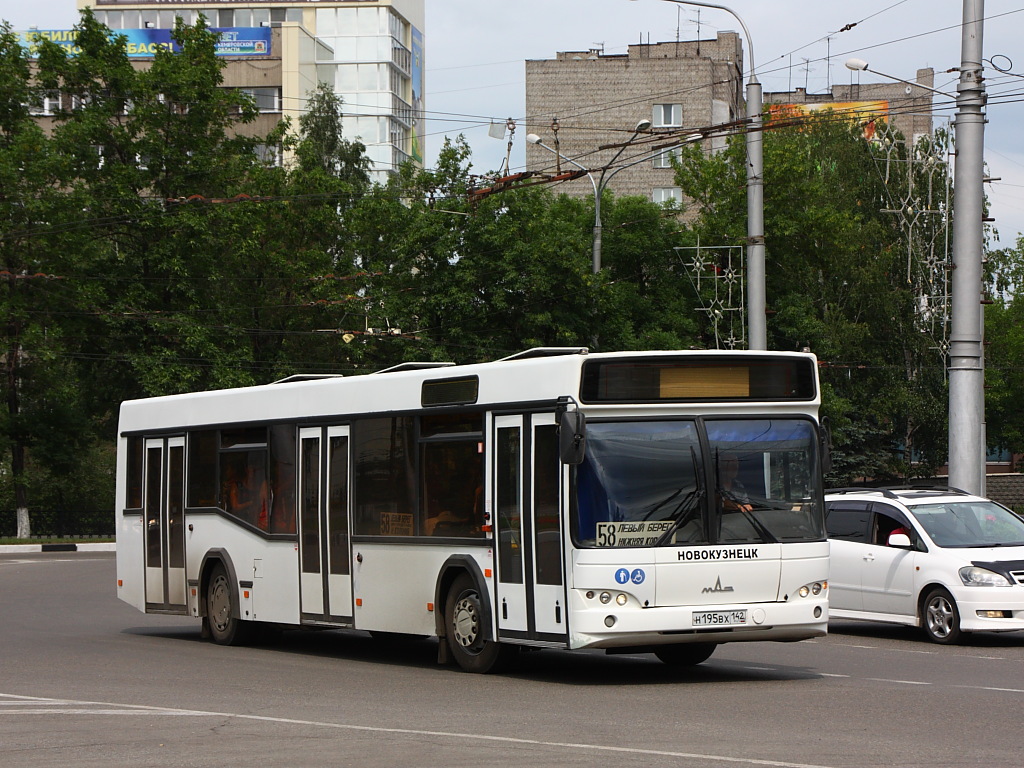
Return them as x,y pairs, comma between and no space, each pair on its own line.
85,680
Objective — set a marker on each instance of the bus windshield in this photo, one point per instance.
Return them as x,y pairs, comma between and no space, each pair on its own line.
687,482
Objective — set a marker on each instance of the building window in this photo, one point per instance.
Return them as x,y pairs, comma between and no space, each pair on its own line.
664,160
50,105
270,155
267,99
667,115
665,195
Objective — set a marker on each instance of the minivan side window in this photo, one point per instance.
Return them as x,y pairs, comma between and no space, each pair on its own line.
848,520
887,521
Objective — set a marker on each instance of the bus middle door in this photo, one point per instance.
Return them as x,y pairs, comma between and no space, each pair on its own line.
324,544
531,603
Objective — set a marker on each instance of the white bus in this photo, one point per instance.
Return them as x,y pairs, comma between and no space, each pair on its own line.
661,502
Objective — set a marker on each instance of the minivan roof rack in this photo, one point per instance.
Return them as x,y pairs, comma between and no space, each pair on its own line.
863,489
546,352
925,486
887,490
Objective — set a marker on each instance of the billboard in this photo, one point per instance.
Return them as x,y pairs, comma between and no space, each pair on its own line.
865,113
417,96
144,43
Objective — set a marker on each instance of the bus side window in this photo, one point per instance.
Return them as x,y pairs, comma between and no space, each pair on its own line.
384,458
133,499
202,468
453,488
282,478
244,491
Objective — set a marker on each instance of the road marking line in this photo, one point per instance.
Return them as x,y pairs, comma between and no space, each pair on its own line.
80,711
898,682
112,708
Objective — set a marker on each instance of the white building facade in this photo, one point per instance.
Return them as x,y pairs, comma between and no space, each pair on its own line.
371,52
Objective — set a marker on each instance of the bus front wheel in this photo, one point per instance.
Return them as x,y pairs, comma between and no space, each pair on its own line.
225,629
465,630
685,654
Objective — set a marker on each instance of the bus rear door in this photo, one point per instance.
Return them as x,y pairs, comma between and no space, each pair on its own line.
165,525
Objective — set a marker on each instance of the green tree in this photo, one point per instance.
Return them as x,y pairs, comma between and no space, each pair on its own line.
838,284
37,244
1004,363
471,277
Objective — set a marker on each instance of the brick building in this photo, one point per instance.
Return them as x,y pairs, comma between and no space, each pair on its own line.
598,99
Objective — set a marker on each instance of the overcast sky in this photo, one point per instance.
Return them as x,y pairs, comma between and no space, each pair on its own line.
475,51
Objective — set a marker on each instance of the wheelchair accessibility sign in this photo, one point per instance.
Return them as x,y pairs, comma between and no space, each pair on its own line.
624,576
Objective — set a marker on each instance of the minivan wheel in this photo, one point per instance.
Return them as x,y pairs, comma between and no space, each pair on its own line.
940,617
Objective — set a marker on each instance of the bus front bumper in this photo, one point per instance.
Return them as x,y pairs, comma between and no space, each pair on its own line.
622,626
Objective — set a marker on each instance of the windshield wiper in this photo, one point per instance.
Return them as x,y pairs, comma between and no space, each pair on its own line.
760,527
681,514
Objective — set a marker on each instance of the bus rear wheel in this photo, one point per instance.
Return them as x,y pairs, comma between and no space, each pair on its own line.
221,598
685,654
465,630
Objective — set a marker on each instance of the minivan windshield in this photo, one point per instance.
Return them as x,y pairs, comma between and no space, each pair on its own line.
963,524
687,481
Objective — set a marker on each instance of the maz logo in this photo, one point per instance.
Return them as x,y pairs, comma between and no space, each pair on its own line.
717,588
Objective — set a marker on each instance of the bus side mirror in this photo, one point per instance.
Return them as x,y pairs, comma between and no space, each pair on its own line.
572,437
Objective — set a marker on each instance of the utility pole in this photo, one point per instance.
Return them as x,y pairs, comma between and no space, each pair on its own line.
966,362
757,323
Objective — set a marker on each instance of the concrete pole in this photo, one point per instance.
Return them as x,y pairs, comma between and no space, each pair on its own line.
757,333
966,362
757,329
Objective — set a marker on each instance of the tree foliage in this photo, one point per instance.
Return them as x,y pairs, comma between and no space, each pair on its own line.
149,245
838,284
168,256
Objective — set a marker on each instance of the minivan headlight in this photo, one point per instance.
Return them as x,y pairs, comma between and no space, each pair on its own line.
973,576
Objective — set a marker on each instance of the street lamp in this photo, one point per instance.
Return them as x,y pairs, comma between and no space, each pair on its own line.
756,319
599,183
859,65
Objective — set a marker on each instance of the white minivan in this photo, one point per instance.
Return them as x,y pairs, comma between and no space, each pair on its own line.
931,557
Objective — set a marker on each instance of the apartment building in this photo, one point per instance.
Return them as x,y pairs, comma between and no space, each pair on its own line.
370,51
587,104
597,99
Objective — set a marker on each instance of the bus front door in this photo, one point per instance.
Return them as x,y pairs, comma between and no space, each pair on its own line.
165,525
530,599
324,547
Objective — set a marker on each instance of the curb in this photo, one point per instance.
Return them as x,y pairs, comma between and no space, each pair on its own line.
85,547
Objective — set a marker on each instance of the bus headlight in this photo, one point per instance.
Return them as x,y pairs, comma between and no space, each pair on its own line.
815,588
606,597
621,599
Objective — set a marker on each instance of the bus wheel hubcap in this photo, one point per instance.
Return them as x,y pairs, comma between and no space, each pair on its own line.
466,622
220,604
